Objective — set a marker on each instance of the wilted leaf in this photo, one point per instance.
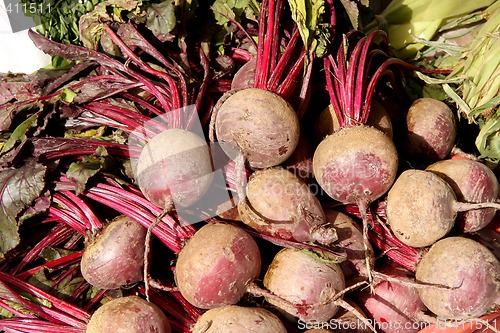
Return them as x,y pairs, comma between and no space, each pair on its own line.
19,188
19,134
80,172
92,24
62,290
352,11
234,9
308,16
160,19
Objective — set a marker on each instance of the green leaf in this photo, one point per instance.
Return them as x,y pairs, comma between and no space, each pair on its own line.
234,9
160,19
50,253
92,24
19,188
308,16
324,257
63,289
457,99
7,297
352,11
19,134
490,105
488,140
68,95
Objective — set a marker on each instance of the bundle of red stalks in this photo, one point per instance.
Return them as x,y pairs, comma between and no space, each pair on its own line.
263,188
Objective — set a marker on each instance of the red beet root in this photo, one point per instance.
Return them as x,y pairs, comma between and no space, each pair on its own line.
216,265
116,257
128,315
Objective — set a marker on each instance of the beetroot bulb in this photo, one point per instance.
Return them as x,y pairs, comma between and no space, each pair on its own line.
115,258
308,285
279,204
259,119
129,314
421,207
471,181
216,266
260,123
174,166
357,164
431,130
237,319
472,272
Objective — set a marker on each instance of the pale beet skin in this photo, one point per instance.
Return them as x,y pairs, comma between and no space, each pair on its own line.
280,204
238,319
465,265
129,314
115,258
175,165
471,181
216,265
260,123
356,164
302,279
431,129
420,208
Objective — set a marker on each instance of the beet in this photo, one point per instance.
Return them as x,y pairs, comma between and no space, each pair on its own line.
129,314
115,258
237,319
216,265
244,77
279,204
300,278
394,306
356,164
431,129
258,122
422,207
468,267
176,165
471,181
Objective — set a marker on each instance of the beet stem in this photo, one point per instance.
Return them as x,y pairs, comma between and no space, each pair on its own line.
80,315
169,206
54,264
172,85
70,221
143,103
466,206
94,221
57,235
